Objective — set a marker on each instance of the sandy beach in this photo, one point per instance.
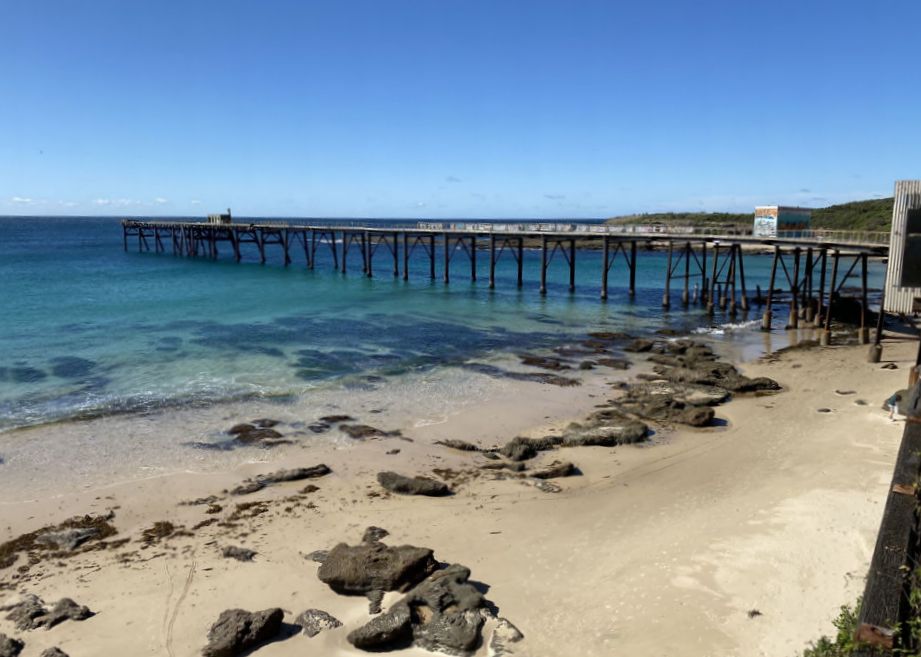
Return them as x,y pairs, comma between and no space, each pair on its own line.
742,539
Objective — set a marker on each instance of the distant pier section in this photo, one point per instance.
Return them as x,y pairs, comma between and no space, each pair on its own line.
809,267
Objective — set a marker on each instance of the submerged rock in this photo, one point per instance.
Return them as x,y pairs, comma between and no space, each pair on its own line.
237,631
403,485
365,431
314,621
373,566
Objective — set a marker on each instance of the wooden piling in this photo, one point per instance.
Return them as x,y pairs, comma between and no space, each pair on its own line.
825,339
543,264
741,259
666,296
606,249
712,295
685,293
473,258
572,265
819,299
766,317
632,289
447,245
405,256
793,321
492,261
864,331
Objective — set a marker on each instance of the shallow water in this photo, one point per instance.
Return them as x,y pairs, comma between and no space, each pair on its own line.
90,330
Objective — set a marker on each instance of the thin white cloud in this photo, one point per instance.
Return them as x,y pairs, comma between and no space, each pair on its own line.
117,202
102,201
195,201
21,200
161,201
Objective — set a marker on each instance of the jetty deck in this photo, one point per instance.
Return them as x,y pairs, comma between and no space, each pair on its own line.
713,262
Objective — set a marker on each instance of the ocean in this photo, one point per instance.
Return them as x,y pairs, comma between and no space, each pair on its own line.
90,330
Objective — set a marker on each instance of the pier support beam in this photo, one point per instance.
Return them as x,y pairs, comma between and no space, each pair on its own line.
712,295
819,310
492,262
606,250
632,290
472,258
876,349
405,256
744,299
572,265
447,254
825,339
793,321
520,262
543,264
864,331
686,292
766,317
666,296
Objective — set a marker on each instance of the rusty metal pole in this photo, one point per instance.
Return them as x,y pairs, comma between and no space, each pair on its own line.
766,317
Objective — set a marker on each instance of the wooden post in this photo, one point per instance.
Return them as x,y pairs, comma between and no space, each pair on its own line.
666,301
766,317
876,349
744,299
125,236
260,243
306,249
543,264
345,248
825,339
520,261
632,290
447,259
311,261
712,295
235,243
808,305
572,265
492,261
703,272
405,256
819,304
686,293
793,321
365,253
284,244
731,284
396,255
473,257
864,331
432,256
606,248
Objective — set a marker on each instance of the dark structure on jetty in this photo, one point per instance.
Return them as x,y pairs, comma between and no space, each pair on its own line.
710,269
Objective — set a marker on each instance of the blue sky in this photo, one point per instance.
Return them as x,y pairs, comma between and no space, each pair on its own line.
451,108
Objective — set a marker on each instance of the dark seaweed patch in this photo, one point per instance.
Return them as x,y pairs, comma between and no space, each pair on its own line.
71,367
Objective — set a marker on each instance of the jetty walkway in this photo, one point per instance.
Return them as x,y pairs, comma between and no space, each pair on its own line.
713,261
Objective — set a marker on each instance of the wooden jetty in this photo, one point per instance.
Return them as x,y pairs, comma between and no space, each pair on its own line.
714,264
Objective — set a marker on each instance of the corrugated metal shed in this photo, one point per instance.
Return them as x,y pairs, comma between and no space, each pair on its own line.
902,299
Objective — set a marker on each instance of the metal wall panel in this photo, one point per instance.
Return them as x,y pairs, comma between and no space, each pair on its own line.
901,299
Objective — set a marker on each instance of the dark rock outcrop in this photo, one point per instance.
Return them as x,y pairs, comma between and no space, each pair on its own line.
238,553
237,631
555,470
373,566
365,431
10,647
397,483
442,614
461,445
314,621
30,613
374,535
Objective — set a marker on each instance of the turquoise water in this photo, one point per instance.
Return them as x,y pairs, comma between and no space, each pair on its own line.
89,329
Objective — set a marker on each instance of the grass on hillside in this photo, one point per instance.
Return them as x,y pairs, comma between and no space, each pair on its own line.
871,215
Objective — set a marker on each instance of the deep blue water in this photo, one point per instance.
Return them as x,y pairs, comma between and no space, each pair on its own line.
87,328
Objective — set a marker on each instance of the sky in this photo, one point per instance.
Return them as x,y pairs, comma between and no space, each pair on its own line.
453,108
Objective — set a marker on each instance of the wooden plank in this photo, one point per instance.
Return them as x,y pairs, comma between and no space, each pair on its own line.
885,594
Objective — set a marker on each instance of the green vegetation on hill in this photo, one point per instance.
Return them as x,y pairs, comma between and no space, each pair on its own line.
872,215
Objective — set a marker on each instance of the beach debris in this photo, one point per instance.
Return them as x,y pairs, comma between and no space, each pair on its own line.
238,631
53,652
502,635
30,612
845,392
461,445
392,452
860,402
542,485
162,530
889,366
295,474
10,647
374,535
441,614
359,569
823,410
397,483
754,613
238,553
365,431
314,621
74,535
555,470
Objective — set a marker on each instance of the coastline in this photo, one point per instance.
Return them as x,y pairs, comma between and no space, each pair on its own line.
661,548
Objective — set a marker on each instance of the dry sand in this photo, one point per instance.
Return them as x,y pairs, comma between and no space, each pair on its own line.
655,550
